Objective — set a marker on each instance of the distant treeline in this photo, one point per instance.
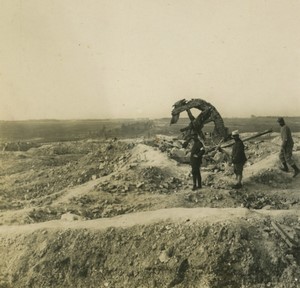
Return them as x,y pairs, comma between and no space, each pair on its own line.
253,124
67,130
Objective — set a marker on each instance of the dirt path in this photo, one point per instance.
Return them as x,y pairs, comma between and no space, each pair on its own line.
77,191
190,215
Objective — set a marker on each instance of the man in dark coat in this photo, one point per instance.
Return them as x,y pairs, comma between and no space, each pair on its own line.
196,160
238,158
286,150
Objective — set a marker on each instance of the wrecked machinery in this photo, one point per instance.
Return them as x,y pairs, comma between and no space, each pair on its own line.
208,113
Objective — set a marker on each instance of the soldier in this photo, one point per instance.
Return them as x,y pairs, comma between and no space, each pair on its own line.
286,150
196,160
238,158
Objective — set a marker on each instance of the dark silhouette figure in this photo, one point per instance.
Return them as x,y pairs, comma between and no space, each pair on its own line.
238,158
286,150
196,160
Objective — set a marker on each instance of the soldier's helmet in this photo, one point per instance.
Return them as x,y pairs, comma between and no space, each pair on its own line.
280,120
235,133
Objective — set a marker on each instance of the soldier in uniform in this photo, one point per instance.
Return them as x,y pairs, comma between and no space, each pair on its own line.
238,158
196,160
286,150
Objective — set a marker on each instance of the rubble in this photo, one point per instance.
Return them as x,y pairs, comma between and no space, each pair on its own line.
220,254
71,217
272,178
125,177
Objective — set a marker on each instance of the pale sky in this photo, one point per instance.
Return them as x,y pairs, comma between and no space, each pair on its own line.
74,59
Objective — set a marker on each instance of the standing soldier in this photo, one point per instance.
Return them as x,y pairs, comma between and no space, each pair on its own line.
286,150
196,161
238,158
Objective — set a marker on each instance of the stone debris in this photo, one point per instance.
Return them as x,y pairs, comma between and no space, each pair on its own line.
163,254
71,217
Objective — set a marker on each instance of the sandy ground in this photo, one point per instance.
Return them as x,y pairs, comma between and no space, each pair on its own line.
144,193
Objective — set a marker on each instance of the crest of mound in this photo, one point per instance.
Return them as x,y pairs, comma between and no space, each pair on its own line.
144,156
269,162
266,171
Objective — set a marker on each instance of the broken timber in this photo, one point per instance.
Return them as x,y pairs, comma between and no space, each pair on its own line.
284,235
246,139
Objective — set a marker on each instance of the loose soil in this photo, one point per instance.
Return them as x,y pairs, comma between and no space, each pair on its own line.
122,214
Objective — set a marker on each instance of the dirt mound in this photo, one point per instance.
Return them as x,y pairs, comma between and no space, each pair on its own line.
146,169
93,181
150,156
242,251
35,177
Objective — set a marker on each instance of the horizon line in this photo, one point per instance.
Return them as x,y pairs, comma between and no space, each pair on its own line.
136,118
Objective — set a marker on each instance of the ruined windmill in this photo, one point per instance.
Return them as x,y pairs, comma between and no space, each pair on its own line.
208,114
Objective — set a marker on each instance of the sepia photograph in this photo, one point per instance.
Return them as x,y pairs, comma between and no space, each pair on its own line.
149,144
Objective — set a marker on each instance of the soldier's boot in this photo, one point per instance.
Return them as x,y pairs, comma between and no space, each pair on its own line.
296,170
194,182
285,167
237,186
199,182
